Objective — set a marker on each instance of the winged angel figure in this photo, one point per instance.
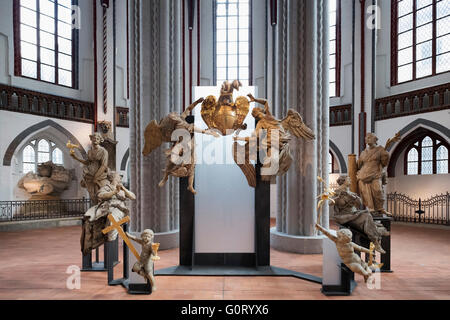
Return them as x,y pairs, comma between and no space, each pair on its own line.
181,156
268,126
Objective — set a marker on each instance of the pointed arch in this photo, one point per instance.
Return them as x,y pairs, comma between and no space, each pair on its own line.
339,156
27,132
123,164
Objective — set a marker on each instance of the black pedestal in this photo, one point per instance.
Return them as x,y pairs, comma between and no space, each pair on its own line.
360,238
345,288
110,255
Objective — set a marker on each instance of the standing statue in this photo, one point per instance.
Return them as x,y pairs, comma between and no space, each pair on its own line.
345,212
181,156
144,267
112,198
370,166
267,126
346,250
95,169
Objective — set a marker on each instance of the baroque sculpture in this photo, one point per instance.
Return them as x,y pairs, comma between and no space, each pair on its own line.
269,130
181,155
345,205
95,167
48,183
370,174
346,250
226,115
105,130
112,198
144,267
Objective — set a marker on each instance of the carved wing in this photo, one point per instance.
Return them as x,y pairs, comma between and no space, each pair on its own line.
208,108
242,107
152,137
294,124
247,168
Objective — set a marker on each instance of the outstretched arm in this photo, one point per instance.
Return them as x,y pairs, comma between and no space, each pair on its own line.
190,108
359,248
260,101
73,155
134,238
325,232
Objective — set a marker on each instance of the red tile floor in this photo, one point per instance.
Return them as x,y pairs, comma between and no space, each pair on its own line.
34,263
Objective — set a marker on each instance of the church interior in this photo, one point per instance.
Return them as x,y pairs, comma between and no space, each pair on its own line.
225,149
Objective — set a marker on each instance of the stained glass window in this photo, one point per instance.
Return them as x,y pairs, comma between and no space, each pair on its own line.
57,156
427,155
45,37
421,41
330,162
233,33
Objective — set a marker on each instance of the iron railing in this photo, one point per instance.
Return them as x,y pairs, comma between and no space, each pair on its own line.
435,210
42,209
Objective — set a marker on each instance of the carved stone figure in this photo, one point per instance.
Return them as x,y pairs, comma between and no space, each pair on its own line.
95,169
346,250
144,267
370,166
49,182
345,212
181,156
112,198
267,127
224,114
105,130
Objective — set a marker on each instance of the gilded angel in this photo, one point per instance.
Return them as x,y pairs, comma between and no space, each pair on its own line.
181,155
269,130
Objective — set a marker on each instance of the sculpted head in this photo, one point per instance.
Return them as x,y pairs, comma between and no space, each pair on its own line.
258,113
344,235
343,180
96,138
147,235
371,139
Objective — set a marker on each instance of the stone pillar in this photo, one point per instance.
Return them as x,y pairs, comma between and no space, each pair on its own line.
302,84
155,90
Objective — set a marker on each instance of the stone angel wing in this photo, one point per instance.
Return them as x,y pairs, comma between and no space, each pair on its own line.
153,137
295,125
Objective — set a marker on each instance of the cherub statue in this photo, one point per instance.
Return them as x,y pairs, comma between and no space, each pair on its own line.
144,267
181,156
95,169
346,250
112,197
267,126
345,205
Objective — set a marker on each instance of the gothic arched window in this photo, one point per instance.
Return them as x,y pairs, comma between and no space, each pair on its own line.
330,162
39,151
427,155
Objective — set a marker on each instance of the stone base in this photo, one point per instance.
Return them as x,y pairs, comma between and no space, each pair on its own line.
168,240
295,244
14,226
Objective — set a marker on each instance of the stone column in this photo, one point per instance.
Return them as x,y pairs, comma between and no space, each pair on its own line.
302,84
155,89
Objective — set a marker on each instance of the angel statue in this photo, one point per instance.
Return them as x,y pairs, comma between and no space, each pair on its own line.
181,156
267,126
346,250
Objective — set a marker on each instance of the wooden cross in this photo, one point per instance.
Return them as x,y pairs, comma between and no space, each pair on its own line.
117,225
